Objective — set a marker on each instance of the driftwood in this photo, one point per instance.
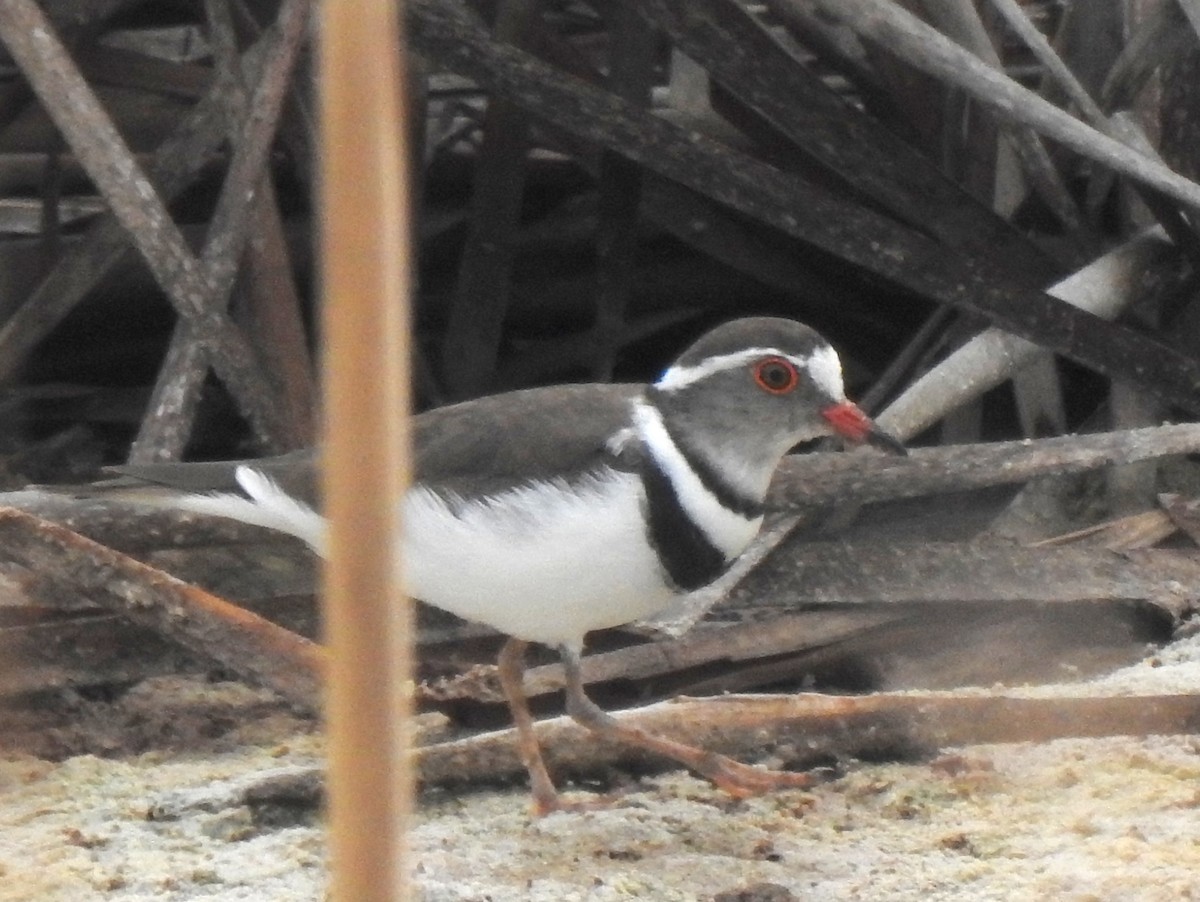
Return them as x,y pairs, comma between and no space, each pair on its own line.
253,116
807,730
826,479
851,232
473,333
787,633
733,44
826,573
1122,127
801,730
79,573
81,265
34,45
923,47
1104,287
866,593
968,573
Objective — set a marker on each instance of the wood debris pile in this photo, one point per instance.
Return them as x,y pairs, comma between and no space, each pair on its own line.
985,206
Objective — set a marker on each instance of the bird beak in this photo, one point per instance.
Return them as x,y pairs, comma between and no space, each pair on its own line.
851,423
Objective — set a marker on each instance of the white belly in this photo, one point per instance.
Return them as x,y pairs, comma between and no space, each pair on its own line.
548,567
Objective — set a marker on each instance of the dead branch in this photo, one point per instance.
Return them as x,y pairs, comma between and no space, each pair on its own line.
807,729
962,23
740,642
253,116
852,232
928,50
866,587
64,564
1121,128
85,124
471,343
1104,287
802,482
175,163
1159,38
741,53
803,730
805,481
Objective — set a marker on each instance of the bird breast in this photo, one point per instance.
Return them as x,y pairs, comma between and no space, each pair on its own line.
546,562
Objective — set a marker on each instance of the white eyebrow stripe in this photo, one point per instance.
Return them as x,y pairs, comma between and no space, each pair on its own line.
825,368
822,365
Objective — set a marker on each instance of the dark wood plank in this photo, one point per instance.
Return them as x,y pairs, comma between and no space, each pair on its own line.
808,572
84,123
471,340
905,259
740,53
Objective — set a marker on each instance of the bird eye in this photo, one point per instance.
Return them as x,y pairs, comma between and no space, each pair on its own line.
776,375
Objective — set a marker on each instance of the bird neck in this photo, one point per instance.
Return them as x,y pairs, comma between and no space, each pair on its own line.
698,521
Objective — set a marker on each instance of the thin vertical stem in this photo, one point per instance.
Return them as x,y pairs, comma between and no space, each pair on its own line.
365,263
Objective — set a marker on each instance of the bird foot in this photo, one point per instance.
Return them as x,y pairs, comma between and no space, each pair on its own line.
543,805
743,780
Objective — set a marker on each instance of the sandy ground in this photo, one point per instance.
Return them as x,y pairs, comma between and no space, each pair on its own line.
1115,819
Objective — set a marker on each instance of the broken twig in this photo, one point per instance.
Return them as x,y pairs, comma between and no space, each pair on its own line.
66,563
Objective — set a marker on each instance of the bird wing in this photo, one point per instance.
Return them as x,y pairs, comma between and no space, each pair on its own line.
494,442
485,444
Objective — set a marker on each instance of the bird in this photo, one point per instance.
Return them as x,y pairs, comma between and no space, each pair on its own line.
547,513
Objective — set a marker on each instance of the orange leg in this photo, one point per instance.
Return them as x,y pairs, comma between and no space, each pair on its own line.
737,779
511,666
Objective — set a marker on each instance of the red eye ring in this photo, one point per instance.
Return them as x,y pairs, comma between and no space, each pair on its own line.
776,375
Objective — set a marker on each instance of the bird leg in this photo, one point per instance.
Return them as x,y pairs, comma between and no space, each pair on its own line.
511,667
737,779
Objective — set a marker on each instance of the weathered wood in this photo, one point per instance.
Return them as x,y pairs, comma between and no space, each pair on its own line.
1158,38
808,572
740,53
920,45
64,563
92,650
961,22
1105,287
173,166
805,730
253,115
851,232
471,340
712,644
1123,129
31,40
817,479
632,58
870,588
802,482
102,151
